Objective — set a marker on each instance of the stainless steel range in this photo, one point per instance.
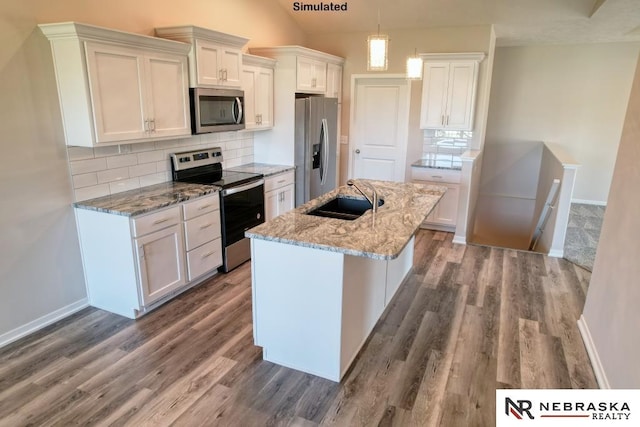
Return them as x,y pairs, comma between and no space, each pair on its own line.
241,199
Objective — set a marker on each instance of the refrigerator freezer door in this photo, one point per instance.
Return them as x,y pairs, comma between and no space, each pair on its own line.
328,123
315,147
303,168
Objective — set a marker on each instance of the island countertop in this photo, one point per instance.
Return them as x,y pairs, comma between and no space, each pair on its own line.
380,236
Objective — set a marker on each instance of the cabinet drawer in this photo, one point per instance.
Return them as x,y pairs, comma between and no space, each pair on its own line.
279,181
155,221
201,206
201,229
204,259
435,175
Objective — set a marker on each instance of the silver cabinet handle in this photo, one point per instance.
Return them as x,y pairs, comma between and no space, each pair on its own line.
160,221
208,254
153,125
202,227
208,205
357,151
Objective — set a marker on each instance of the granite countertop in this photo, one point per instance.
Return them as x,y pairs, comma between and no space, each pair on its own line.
382,236
439,161
146,199
262,168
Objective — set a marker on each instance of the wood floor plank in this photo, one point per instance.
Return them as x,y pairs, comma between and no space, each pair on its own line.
542,358
174,401
467,321
509,333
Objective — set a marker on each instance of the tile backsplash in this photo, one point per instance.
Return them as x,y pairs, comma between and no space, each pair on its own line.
108,170
446,142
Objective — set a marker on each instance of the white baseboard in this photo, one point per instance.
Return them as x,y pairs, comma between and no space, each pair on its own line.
461,240
34,325
596,364
556,253
589,202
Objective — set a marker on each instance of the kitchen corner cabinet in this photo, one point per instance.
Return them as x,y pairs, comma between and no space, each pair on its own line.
116,87
444,214
257,83
449,87
134,264
215,58
279,194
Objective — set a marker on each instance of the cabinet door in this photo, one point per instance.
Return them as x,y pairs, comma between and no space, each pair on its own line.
434,95
334,82
168,95
461,90
264,97
160,260
271,204
249,77
208,63
116,84
287,199
311,75
447,209
319,80
231,65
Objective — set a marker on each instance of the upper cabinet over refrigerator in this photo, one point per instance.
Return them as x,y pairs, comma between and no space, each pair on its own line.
116,87
215,58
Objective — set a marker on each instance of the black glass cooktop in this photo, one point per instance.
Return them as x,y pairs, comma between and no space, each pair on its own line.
224,179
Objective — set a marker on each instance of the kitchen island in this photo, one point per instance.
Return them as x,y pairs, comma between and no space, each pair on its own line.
320,284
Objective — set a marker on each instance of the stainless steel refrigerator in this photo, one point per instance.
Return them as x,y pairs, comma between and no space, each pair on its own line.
315,146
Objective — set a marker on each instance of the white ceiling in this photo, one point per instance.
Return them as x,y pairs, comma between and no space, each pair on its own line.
517,22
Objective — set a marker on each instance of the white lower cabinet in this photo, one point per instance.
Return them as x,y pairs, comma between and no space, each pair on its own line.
134,264
279,194
444,214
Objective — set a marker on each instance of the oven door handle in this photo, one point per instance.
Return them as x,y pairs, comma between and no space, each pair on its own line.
233,190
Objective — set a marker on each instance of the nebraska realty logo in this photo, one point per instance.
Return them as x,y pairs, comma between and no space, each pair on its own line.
567,407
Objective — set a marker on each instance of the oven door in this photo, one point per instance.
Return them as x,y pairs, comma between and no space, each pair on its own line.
242,208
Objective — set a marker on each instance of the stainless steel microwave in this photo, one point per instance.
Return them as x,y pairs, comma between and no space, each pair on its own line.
216,110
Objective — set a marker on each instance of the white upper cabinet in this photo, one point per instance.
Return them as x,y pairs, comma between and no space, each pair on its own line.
215,58
449,90
311,75
334,82
257,83
117,87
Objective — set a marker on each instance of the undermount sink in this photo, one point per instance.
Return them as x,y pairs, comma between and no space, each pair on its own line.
346,208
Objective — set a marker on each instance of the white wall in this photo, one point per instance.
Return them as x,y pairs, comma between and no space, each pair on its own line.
572,95
40,267
611,314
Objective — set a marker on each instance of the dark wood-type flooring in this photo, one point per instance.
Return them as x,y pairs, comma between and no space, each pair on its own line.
468,320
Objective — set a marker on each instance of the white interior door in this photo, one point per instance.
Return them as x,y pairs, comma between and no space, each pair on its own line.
379,127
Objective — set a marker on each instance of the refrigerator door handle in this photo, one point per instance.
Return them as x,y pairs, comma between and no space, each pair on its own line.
325,152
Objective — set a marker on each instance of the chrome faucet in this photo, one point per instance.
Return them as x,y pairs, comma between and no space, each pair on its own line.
373,200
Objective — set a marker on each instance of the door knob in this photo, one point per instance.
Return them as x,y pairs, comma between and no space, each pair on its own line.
357,151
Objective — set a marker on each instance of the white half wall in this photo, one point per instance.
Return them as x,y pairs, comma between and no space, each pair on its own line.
573,95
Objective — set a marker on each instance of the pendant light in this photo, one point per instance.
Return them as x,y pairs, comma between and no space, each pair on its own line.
414,67
378,48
